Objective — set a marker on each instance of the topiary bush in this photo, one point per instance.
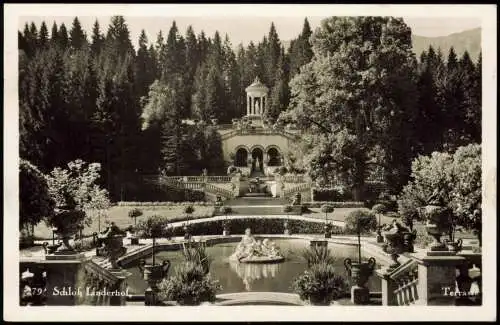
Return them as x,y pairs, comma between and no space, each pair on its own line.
363,220
379,208
134,213
189,210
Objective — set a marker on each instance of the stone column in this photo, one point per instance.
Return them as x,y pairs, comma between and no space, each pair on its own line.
437,277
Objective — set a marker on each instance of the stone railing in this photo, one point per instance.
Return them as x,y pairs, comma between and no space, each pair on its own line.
218,191
403,289
294,179
432,280
258,131
199,183
289,192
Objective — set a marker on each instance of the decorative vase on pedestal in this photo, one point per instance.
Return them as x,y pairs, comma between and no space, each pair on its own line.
360,273
438,222
68,221
153,274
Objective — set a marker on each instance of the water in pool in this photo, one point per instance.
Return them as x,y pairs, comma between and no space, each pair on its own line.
238,277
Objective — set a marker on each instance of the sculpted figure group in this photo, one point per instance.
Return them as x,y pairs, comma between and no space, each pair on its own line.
250,248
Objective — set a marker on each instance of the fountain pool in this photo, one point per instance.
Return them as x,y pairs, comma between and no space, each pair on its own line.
240,277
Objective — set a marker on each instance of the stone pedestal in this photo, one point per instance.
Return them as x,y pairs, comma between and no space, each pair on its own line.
65,279
360,295
120,287
388,286
436,277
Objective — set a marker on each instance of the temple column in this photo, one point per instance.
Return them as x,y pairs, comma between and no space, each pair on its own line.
248,105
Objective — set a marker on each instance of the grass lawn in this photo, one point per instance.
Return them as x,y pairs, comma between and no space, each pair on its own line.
119,215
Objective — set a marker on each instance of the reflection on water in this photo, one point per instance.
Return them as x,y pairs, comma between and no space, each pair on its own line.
250,272
239,277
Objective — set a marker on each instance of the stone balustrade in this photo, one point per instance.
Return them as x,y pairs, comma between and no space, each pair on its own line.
430,278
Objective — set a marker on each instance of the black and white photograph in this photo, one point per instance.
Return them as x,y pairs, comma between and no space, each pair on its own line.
250,162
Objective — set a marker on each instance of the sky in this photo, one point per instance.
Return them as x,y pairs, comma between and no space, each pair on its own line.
244,29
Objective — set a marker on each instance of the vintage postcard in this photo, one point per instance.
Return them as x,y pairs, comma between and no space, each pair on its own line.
249,162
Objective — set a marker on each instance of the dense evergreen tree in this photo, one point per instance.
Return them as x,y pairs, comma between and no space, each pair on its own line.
97,40
363,101
301,49
62,37
77,36
43,38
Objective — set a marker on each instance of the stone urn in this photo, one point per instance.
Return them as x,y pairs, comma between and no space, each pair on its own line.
113,248
67,224
360,273
297,199
438,221
398,240
153,274
454,246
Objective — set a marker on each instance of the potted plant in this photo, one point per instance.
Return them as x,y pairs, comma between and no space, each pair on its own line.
153,273
190,286
379,209
189,210
134,213
328,229
320,285
74,191
327,208
360,221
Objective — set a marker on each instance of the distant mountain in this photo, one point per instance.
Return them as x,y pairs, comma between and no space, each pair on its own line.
469,40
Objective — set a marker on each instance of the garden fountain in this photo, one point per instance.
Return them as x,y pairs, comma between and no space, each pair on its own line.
250,250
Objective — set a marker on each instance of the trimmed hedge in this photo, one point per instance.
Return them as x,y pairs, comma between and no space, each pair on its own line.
164,203
330,194
259,226
347,204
